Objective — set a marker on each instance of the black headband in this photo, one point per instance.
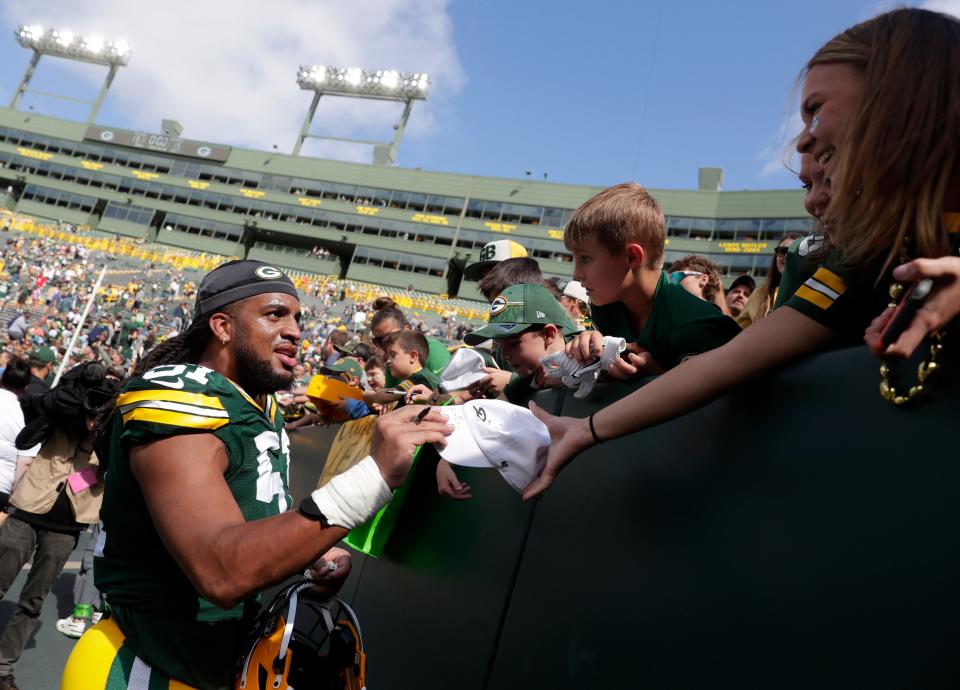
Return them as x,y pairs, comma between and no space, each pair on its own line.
237,280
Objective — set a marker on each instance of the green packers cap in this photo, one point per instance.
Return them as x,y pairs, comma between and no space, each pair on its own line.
44,354
518,308
345,366
237,280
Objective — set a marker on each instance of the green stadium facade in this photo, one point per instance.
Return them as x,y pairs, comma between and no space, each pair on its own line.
384,225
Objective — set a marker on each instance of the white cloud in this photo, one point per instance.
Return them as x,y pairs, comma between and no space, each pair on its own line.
945,6
778,155
226,69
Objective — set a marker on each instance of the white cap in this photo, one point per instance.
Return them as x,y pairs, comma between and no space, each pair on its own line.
577,291
493,253
496,433
464,369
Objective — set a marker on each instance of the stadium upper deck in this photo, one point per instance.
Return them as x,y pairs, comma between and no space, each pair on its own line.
385,225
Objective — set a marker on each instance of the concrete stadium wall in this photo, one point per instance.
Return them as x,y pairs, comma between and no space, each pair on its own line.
297,262
210,245
797,533
54,213
400,279
121,227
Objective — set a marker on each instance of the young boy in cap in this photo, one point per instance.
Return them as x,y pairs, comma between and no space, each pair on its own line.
528,323
617,240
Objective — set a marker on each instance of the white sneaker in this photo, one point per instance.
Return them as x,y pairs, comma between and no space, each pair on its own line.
72,626
95,617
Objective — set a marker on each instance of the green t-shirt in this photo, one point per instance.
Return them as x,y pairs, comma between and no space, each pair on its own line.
136,572
424,376
680,325
436,362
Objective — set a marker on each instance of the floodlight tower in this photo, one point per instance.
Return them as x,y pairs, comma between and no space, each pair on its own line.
65,44
381,85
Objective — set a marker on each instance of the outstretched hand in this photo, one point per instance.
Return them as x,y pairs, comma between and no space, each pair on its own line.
396,436
940,308
569,437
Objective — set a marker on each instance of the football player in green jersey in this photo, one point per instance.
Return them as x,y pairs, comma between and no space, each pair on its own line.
195,513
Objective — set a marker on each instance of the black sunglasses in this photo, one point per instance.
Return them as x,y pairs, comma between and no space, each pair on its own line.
781,251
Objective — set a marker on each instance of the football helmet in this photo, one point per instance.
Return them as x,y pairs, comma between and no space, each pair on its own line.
303,643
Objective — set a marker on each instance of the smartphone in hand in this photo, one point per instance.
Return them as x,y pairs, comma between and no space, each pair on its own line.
905,311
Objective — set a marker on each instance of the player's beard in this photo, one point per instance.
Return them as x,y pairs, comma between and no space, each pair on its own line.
257,376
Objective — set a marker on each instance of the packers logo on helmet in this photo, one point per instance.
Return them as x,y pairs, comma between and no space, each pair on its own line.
303,642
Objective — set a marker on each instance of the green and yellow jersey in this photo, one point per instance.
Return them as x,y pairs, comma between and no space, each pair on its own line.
155,604
845,300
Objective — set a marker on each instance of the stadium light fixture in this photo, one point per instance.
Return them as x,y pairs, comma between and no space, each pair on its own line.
65,44
388,85
354,82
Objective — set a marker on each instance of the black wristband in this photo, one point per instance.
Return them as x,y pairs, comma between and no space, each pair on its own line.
596,439
308,509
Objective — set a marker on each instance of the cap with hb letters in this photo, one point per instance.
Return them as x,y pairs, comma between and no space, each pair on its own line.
237,280
493,253
518,308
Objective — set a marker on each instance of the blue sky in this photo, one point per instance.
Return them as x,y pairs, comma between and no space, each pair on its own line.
587,93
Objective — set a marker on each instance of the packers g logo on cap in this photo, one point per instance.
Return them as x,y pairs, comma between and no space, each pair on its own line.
497,306
268,273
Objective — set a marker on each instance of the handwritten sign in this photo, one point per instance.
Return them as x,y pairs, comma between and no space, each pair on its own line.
350,446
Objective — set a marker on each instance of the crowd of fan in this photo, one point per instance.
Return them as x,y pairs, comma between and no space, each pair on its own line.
667,314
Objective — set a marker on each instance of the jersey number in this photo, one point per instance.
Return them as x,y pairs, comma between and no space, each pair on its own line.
169,375
270,483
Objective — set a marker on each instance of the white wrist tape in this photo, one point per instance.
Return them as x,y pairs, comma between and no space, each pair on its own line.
353,497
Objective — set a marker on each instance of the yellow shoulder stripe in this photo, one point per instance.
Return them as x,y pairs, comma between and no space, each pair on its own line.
170,396
814,297
181,419
831,280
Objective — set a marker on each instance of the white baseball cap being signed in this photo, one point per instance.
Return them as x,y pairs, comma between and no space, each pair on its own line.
496,433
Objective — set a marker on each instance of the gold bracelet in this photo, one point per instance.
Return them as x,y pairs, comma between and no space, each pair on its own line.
925,370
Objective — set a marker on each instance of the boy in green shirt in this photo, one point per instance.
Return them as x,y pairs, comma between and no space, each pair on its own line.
406,353
617,240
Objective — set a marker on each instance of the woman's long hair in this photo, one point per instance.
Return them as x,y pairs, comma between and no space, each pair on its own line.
768,290
899,151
